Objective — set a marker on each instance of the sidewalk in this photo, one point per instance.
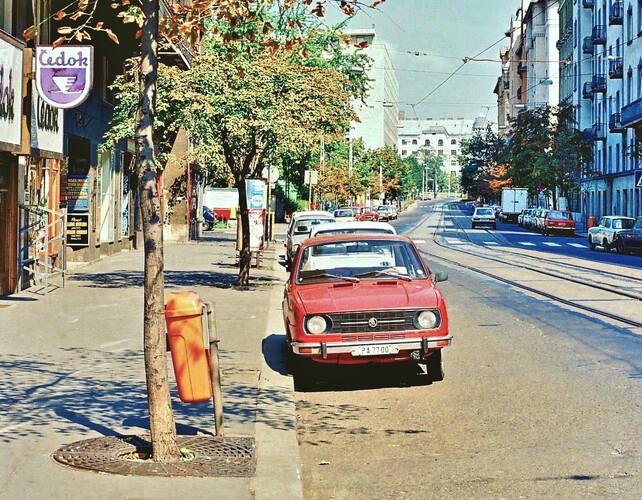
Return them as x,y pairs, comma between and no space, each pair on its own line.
72,368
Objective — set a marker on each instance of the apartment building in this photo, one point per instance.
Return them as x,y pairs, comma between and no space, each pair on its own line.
378,114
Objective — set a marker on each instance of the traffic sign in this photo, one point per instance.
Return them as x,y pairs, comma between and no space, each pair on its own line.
638,178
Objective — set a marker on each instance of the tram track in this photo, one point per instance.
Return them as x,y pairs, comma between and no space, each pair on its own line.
611,290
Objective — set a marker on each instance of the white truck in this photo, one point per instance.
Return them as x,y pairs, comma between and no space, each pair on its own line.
514,200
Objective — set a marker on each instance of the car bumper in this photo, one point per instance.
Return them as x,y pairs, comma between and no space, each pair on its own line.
323,349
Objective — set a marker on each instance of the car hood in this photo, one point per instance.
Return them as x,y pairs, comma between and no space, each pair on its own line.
368,295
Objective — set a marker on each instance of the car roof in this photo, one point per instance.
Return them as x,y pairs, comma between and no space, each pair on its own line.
341,238
311,213
617,217
365,225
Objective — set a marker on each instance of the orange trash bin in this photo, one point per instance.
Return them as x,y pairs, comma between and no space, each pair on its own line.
591,221
183,317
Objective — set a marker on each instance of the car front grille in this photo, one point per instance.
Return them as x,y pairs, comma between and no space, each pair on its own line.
386,321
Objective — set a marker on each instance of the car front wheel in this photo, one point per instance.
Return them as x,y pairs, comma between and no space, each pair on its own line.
591,244
205,226
619,245
435,367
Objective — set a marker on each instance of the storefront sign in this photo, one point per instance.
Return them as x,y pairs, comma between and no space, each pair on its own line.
78,230
10,95
77,193
46,125
64,74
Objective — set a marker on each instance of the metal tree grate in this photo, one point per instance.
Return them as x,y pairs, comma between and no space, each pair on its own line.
214,456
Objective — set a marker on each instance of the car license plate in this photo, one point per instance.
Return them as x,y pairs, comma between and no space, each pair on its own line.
375,350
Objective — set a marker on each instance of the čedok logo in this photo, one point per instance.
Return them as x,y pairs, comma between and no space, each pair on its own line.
64,74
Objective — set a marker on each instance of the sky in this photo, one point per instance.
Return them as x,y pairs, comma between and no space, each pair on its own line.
427,40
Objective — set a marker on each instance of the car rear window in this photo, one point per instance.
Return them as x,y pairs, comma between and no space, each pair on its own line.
484,211
559,215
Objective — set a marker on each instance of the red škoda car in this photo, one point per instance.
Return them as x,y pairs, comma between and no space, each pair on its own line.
365,298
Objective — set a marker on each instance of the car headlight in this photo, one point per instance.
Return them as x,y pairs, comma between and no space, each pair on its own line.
316,325
426,320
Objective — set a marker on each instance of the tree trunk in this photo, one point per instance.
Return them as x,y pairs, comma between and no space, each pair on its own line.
245,257
161,417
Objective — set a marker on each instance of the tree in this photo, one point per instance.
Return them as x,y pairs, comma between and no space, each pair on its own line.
184,23
479,157
545,152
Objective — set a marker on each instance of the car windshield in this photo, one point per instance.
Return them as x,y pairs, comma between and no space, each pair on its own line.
309,223
623,223
559,215
484,211
359,260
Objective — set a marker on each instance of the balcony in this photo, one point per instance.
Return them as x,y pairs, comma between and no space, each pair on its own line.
587,45
588,4
598,84
632,114
616,13
587,90
588,134
616,68
599,132
615,123
598,35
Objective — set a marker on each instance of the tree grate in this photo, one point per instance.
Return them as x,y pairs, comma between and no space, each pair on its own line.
213,456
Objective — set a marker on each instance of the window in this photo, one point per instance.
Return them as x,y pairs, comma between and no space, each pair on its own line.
440,152
404,152
453,141
427,142
414,141
629,24
404,141
440,142
453,152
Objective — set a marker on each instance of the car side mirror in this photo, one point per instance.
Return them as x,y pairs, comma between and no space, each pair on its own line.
440,276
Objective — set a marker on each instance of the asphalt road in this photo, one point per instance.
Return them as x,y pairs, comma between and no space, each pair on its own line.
538,402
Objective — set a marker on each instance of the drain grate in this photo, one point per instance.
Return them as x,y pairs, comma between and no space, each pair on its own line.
214,456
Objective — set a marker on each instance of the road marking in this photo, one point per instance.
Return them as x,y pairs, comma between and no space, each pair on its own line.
455,242
490,243
419,241
548,244
577,245
526,244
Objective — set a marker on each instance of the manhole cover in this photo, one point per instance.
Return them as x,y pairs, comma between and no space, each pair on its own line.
214,456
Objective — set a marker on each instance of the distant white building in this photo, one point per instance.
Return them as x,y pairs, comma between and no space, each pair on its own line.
378,115
442,137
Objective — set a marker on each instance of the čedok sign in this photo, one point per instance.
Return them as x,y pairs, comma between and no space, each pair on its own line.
64,74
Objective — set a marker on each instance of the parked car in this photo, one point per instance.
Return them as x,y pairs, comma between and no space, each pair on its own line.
538,219
483,216
209,219
387,212
368,215
606,232
299,230
630,240
558,221
497,210
352,228
344,214
524,218
365,298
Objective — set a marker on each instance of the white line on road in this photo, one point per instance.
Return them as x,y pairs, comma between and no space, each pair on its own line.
490,243
526,244
419,241
577,245
550,244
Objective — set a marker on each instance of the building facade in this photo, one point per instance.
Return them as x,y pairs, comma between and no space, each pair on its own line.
377,124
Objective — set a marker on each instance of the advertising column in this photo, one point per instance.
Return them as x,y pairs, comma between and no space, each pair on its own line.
11,60
256,195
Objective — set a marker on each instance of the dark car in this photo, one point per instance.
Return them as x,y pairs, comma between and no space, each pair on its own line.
209,219
630,240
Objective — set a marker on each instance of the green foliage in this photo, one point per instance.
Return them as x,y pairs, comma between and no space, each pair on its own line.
479,158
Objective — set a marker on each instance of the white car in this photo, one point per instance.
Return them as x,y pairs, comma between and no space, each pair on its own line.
352,228
483,216
299,229
344,215
387,212
606,232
